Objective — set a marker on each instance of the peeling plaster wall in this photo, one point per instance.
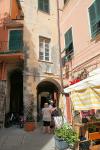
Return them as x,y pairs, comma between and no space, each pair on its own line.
38,23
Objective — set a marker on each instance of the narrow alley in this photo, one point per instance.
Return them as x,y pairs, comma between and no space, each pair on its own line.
50,74
17,139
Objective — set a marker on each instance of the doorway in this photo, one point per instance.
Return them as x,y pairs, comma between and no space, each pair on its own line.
46,91
16,95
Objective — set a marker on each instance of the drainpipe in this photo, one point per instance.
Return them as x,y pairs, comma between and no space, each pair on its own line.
10,10
59,40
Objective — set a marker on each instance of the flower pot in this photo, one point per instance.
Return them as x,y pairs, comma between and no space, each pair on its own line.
60,143
29,126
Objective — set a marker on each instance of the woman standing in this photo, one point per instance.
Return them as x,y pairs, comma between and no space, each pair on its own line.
46,112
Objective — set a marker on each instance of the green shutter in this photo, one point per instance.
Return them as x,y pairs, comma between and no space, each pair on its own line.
46,5
66,39
69,40
43,5
16,40
70,36
92,15
97,7
40,4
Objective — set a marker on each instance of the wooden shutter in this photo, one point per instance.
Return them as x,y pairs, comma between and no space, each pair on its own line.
43,5
92,15
40,4
66,39
97,7
16,40
46,5
69,40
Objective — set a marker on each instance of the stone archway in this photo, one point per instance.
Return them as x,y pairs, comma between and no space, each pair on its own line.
46,90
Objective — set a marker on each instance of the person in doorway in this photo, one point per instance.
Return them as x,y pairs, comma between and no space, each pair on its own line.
46,112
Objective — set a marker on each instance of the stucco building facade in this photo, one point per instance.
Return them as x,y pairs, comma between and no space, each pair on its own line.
11,59
29,56
80,39
41,67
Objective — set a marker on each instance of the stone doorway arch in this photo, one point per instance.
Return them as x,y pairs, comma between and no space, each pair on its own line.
48,89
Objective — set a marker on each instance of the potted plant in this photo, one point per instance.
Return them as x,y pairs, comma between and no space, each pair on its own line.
65,137
92,128
29,124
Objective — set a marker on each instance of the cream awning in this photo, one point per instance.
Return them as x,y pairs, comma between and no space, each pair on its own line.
85,94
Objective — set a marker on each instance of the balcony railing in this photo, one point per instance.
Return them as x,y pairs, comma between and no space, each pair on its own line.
13,46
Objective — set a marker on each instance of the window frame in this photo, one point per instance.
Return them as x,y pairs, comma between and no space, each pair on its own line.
93,34
43,10
44,48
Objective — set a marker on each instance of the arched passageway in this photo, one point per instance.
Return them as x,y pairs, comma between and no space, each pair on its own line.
16,93
46,91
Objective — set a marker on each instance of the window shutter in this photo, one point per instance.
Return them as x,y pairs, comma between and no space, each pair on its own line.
66,39
92,15
70,36
69,40
46,5
11,46
40,4
16,40
97,7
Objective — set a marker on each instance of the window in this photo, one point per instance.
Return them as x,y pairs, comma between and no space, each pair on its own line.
94,14
69,42
16,40
44,49
43,5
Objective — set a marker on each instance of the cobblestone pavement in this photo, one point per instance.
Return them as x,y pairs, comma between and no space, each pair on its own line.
17,139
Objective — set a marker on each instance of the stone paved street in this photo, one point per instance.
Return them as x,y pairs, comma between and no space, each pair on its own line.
17,139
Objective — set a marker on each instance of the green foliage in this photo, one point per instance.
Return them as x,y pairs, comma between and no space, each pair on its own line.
92,128
29,117
92,117
67,133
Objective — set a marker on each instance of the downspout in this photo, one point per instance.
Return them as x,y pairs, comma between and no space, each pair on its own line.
59,43
10,9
